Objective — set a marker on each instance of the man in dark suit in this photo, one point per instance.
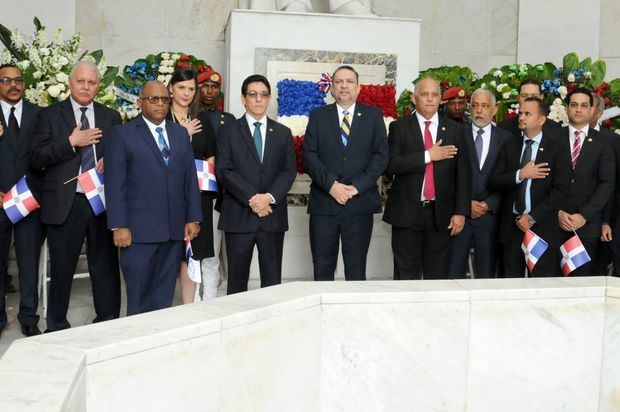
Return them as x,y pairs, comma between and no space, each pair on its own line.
534,173
431,192
345,152
528,88
592,176
17,121
68,141
609,247
153,200
484,143
256,165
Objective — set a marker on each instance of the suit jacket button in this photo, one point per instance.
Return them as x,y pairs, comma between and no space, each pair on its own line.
572,180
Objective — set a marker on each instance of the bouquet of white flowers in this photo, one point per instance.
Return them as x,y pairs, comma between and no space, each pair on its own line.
46,63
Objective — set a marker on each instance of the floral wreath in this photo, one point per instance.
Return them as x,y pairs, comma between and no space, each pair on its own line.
160,67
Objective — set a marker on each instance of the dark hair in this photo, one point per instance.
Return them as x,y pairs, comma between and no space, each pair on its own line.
542,110
4,66
530,81
357,76
580,90
183,75
255,78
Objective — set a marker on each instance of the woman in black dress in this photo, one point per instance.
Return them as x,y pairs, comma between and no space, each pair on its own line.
184,110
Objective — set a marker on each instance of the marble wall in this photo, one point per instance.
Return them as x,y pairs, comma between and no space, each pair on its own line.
476,33
470,345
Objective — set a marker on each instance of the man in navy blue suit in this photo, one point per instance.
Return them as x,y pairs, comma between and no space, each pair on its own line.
153,202
345,152
484,142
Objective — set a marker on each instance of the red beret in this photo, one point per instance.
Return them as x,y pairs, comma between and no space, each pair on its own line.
211,76
453,93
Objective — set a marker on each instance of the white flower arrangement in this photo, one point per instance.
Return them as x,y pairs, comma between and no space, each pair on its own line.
558,113
297,124
498,73
563,92
570,77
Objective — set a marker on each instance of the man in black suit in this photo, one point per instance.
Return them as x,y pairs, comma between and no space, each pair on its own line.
484,142
592,176
17,121
534,173
431,192
345,152
256,165
609,247
529,88
68,141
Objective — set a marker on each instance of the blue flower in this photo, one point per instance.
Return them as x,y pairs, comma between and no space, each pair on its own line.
297,97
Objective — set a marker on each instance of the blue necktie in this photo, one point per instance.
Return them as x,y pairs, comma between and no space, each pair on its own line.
163,146
87,153
345,128
258,140
478,143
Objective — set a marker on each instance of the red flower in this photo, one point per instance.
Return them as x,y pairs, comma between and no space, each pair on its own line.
184,58
607,102
381,96
607,123
298,143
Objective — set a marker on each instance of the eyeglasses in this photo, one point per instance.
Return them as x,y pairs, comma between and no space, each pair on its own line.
157,99
8,80
254,94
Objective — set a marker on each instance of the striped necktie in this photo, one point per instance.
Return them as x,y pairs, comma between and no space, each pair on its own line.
87,154
345,128
576,148
163,146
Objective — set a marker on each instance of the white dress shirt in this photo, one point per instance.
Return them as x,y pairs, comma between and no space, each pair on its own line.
433,129
571,135
152,126
351,111
263,129
6,111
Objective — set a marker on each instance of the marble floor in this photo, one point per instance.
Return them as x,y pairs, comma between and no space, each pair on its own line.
81,310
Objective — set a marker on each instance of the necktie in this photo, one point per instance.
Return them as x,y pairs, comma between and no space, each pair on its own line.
478,144
576,148
429,173
522,189
258,140
345,128
12,129
87,153
163,146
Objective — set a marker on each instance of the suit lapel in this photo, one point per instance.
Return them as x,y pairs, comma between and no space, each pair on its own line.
268,142
27,120
414,126
357,120
473,156
335,122
244,130
67,114
146,134
493,151
173,143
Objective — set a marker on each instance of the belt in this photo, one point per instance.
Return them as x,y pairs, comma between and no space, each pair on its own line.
427,203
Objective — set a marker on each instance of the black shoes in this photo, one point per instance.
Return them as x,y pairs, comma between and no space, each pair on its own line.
31,330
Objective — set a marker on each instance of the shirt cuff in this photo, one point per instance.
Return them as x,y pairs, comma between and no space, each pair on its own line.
273,199
427,157
517,177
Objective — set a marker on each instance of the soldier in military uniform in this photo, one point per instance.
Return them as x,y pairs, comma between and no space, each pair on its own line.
455,104
209,85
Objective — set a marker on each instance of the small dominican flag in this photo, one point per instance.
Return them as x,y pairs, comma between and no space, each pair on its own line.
574,255
193,266
533,248
206,176
19,201
92,184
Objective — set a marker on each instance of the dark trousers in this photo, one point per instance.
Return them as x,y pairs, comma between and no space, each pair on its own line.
514,259
326,232
421,250
28,234
150,271
239,250
65,243
603,258
482,239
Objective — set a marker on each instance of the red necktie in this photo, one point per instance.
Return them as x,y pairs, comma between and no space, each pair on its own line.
429,174
576,148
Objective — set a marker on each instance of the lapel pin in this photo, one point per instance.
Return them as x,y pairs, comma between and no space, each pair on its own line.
542,149
590,139
443,129
270,129
222,122
359,114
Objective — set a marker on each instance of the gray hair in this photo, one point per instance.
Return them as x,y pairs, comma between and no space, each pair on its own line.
600,102
87,65
484,91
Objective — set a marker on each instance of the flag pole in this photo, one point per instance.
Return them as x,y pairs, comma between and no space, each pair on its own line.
71,180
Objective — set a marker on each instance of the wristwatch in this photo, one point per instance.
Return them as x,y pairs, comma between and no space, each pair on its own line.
531,220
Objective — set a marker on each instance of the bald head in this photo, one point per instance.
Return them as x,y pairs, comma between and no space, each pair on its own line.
154,101
426,97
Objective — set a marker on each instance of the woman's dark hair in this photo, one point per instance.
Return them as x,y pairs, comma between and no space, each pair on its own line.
183,75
